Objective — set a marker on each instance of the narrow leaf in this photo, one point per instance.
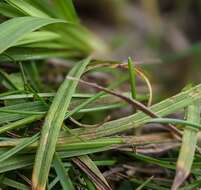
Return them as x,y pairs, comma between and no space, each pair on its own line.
187,151
9,11
12,183
88,166
27,8
15,29
23,54
168,106
62,173
52,125
132,77
191,124
66,10
38,36
18,148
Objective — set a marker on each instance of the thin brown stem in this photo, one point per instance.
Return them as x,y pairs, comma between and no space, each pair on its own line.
136,104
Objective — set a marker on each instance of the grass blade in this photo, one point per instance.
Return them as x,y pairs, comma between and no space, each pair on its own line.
66,10
62,173
7,80
187,151
16,162
9,11
18,148
38,36
88,166
132,77
27,8
15,29
144,183
195,126
24,54
52,125
12,183
163,108
5,117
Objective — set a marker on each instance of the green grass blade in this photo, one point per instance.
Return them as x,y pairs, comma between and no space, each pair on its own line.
15,29
168,106
187,151
17,124
89,184
7,80
44,6
26,108
152,186
53,183
132,77
18,148
42,95
16,162
52,125
8,11
12,183
195,126
62,173
24,54
148,159
144,183
27,8
38,36
66,10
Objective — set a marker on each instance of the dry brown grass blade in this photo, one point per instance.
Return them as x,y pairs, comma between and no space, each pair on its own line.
100,183
188,147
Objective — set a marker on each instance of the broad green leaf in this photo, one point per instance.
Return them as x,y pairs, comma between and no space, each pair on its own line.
38,36
52,125
27,8
35,53
15,29
44,6
76,37
8,11
66,10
